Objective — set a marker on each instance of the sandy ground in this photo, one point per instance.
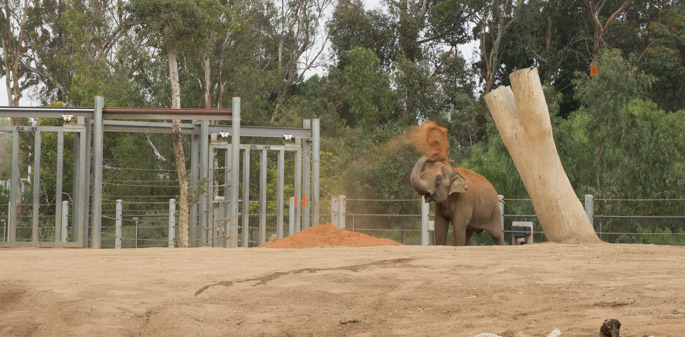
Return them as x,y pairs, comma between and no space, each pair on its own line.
376,291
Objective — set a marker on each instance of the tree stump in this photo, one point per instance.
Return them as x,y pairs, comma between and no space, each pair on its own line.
521,115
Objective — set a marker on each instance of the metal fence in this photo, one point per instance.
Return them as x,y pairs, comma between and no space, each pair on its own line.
656,221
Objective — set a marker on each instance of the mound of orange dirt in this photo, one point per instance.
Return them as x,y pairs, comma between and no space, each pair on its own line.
329,235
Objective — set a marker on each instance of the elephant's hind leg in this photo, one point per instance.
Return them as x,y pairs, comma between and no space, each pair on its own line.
497,237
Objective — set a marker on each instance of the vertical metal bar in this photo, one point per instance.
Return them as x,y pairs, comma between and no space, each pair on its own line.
298,185
204,163
76,204
590,207
86,194
291,216
500,198
316,139
211,218
279,194
262,198
172,222
307,179
228,189
64,222
117,233
306,176
12,234
246,198
59,217
83,190
342,204
194,174
96,220
235,171
425,210
36,187
334,212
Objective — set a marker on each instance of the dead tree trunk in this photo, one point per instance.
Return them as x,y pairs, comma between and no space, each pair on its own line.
178,151
523,121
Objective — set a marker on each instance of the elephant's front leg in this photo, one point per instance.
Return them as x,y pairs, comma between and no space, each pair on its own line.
459,231
441,226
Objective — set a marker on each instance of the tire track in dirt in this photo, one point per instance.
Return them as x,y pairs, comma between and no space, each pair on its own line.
273,276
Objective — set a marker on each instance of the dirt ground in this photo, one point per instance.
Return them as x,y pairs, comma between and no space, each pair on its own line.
373,291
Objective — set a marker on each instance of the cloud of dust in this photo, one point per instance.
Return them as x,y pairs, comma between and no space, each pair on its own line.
430,140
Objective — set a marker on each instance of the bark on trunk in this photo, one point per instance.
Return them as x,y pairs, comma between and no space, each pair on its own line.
523,121
178,151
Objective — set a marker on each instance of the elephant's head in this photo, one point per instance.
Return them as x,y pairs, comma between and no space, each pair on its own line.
437,180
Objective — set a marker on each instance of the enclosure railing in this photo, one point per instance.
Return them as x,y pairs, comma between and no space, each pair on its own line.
414,226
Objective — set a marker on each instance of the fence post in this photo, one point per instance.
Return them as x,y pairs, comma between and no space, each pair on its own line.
291,216
425,210
342,201
335,209
65,221
500,198
172,222
117,233
96,216
590,207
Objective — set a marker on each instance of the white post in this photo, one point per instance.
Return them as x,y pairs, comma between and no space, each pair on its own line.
334,211
425,210
341,211
117,233
65,220
172,222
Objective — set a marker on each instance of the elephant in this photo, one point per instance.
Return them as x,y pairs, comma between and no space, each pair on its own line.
462,197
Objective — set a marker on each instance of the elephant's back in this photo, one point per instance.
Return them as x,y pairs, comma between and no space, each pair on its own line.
476,181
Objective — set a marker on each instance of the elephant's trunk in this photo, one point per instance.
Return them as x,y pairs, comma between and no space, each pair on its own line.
421,186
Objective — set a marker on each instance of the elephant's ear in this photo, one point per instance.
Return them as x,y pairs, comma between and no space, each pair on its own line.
458,184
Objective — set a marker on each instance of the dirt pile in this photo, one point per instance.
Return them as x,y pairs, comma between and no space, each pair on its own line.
431,140
329,235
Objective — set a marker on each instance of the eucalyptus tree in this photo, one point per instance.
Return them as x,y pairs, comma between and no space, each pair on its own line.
172,25
13,16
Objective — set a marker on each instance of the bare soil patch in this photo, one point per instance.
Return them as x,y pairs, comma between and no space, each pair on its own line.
344,291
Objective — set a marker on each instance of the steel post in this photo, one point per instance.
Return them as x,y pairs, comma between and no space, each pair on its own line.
235,171
211,218
36,187
425,210
59,216
306,176
306,183
226,207
316,147
279,195
291,216
204,198
172,222
262,198
500,198
194,174
83,190
14,189
298,185
64,223
76,204
246,198
118,217
590,207
96,220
